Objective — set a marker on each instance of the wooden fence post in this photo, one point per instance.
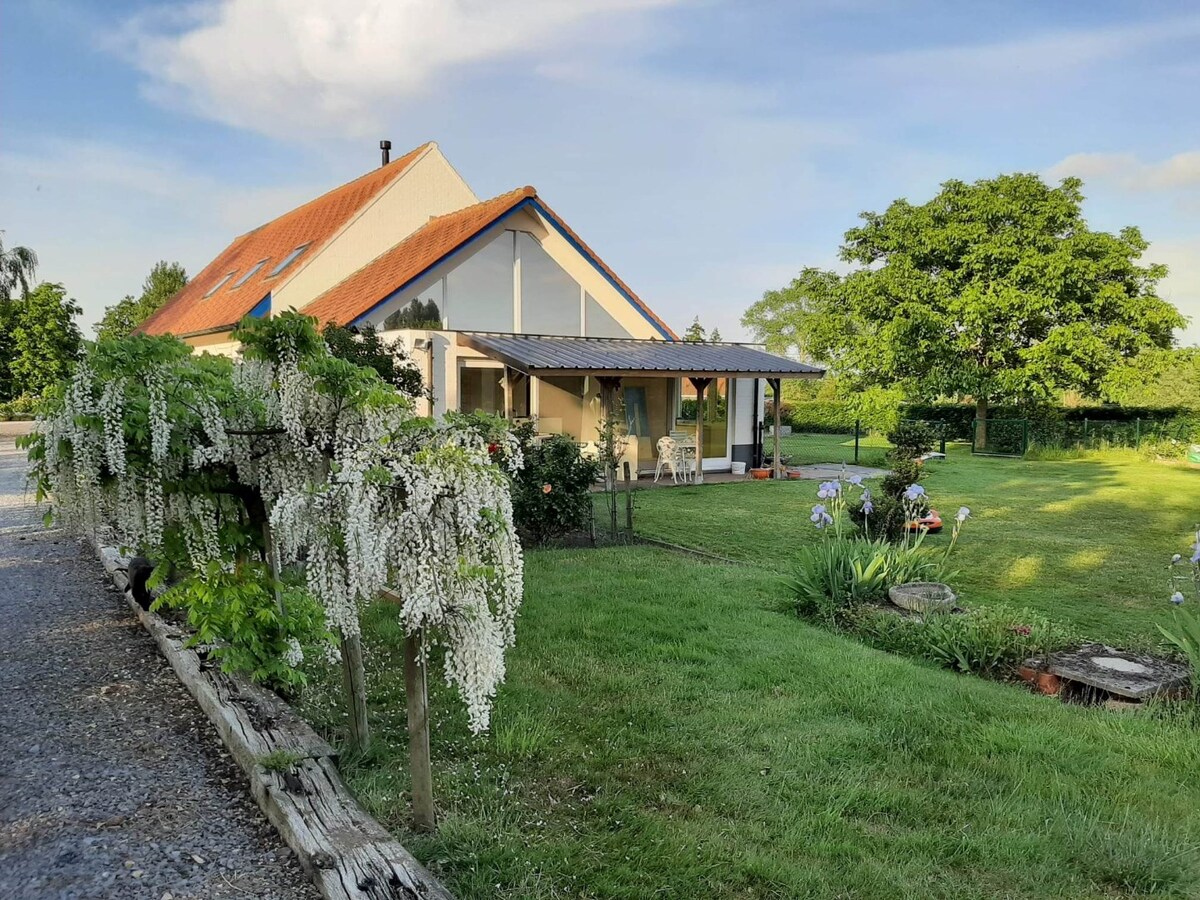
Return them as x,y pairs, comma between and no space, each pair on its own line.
354,680
420,768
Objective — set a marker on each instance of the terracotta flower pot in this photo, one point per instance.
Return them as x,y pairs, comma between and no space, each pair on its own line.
761,474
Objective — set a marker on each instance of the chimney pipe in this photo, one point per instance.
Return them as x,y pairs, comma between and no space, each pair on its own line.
386,148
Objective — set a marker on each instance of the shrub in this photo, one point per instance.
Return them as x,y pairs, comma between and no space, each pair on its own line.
990,640
840,574
552,493
904,472
249,630
911,439
888,517
23,407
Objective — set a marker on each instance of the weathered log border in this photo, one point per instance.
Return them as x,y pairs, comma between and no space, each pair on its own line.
348,854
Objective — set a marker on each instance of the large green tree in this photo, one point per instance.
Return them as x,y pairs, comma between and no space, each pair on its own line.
165,280
996,291
45,339
1157,378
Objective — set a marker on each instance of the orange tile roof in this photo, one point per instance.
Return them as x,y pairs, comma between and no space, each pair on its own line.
189,312
440,236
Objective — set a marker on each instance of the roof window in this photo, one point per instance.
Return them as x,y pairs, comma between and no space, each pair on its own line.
220,284
288,260
258,265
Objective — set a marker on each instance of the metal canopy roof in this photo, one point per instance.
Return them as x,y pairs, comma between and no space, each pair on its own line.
548,355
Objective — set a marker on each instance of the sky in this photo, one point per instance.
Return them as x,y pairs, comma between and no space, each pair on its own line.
706,150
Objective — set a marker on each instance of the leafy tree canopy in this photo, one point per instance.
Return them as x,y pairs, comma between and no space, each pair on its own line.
165,280
18,269
1157,378
995,290
43,341
363,346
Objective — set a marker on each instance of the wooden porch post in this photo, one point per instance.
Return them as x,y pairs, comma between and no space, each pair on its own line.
700,384
775,462
506,384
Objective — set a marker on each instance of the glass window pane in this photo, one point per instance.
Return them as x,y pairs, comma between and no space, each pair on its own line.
422,311
479,292
549,296
258,265
599,323
287,260
216,287
481,390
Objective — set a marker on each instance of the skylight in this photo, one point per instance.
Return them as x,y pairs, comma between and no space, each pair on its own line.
220,284
258,265
288,260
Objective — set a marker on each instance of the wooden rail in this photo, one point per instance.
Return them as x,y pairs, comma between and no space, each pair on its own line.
347,853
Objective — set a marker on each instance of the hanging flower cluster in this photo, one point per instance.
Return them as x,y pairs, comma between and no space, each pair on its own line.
307,459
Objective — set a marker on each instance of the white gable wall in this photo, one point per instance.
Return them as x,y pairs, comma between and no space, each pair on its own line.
591,282
430,187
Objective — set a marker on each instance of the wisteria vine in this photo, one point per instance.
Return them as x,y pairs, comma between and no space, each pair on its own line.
303,458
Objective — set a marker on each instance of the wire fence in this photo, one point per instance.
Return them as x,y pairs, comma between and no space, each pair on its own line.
855,446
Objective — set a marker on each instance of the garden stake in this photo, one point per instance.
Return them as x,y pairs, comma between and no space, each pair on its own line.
354,680
420,770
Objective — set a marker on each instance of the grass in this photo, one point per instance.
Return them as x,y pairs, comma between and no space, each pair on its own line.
1085,541
666,731
808,449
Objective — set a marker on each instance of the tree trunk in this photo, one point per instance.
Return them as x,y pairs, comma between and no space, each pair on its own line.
354,680
981,412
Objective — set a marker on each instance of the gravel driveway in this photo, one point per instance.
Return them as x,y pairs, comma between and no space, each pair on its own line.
112,782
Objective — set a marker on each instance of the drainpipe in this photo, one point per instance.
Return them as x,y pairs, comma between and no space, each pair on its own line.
756,430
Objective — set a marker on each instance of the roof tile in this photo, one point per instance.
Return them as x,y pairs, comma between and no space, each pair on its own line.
190,312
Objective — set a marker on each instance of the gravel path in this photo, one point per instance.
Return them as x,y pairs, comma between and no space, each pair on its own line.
112,782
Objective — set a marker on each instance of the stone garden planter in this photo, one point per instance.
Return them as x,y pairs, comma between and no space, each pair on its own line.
923,596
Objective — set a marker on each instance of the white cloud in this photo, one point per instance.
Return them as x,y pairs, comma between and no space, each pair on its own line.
311,66
1182,285
1128,172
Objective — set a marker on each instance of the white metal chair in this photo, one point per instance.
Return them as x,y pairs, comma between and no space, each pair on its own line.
668,456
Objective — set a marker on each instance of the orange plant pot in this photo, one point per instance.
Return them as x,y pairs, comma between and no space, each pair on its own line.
760,474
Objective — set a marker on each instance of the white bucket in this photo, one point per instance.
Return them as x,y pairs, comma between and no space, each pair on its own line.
738,468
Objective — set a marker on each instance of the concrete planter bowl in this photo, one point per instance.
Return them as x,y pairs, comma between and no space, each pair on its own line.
923,596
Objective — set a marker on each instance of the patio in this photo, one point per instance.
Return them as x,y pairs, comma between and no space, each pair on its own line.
708,398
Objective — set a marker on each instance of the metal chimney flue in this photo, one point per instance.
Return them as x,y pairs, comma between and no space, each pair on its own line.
385,148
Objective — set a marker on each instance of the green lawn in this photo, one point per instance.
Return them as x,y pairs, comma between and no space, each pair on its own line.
810,449
1085,541
667,731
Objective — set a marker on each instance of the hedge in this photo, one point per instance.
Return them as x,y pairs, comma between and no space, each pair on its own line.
815,417
1047,424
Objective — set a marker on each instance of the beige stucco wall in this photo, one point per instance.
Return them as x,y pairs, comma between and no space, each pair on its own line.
218,344
431,187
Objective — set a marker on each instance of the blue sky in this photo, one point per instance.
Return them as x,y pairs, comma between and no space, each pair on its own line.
707,150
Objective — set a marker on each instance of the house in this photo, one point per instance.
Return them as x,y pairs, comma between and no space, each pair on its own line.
503,306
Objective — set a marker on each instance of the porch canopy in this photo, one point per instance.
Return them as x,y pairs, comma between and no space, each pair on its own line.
611,359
